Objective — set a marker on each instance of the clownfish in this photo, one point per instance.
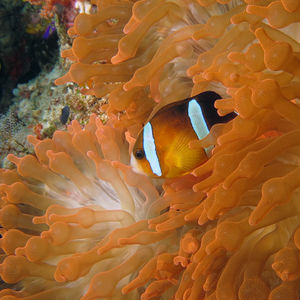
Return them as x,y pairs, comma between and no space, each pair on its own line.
162,146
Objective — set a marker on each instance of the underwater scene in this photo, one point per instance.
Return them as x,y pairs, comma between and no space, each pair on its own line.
150,149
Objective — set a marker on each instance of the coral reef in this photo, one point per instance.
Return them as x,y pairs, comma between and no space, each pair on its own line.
36,109
78,223
24,53
13,134
35,104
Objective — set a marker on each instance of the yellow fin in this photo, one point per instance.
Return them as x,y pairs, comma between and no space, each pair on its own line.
181,157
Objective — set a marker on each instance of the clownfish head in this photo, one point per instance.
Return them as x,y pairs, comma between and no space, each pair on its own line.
142,164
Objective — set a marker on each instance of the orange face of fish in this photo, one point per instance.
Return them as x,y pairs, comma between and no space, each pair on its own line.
162,147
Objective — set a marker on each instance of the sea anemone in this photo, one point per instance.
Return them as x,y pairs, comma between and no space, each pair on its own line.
78,223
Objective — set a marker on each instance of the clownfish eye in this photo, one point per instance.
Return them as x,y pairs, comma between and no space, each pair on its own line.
139,154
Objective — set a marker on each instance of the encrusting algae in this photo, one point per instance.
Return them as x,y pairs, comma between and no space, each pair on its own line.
78,223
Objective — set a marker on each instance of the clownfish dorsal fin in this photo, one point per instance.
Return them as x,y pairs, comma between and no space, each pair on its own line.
164,105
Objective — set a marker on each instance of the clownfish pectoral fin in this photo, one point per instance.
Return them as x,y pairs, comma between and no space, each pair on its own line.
181,157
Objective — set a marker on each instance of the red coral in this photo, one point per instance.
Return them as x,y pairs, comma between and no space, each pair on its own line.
49,6
38,130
